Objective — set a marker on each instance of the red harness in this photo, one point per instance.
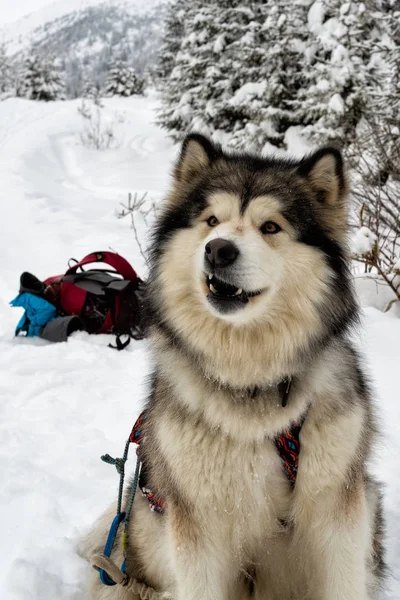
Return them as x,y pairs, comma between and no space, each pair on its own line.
287,445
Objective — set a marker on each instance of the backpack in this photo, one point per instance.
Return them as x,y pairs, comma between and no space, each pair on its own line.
107,300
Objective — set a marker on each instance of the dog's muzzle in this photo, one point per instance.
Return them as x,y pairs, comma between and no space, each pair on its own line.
219,255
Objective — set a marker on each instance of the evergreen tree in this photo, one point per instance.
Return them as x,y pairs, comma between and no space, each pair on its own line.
6,81
341,67
247,73
237,71
39,79
122,80
174,30
384,91
274,50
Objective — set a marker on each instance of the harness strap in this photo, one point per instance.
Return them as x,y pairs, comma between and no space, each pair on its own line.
288,447
156,502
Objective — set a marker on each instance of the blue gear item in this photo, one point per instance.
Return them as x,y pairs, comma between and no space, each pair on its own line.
38,312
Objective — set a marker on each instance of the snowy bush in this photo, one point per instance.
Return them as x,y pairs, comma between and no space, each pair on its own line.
374,157
91,90
376,243
381,259
122,80
39,79
99,132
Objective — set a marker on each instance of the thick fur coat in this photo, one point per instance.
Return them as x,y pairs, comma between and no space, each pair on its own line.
249,287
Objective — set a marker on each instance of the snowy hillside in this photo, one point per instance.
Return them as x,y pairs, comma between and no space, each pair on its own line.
64,405
85,34
20,31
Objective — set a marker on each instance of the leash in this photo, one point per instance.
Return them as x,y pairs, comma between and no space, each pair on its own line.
110,573
145,592
121,517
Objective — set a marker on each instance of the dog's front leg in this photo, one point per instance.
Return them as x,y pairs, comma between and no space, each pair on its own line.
330,542
201,558
332,529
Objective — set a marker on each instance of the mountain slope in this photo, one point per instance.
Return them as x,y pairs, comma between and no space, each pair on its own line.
84,35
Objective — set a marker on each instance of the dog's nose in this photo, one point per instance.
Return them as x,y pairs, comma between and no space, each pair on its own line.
221,253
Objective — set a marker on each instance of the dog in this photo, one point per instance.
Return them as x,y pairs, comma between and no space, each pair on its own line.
250,306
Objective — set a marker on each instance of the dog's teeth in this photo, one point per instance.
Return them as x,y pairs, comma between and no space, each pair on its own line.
212,288
210,277
238,292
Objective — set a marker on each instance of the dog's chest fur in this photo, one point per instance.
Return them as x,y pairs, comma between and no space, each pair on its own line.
239,484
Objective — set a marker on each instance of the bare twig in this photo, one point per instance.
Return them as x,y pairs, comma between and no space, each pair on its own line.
97,133
136,205
375,263
375,158
390,304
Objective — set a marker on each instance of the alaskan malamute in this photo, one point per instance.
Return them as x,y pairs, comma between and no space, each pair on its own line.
250,304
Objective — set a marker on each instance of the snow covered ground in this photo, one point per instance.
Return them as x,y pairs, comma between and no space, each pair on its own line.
62,406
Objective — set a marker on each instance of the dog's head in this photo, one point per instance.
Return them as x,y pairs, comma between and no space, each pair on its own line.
255,245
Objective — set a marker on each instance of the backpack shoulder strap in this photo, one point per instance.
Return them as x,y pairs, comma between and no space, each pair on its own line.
115,261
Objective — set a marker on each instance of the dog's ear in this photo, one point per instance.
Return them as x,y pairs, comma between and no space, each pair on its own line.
324,172
197,154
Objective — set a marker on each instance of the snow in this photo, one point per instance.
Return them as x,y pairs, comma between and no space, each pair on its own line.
323,85
316,17
372,292
364,240
295,143
12,11
23,17
281,21
247,92
64,405
18,32
219,44
336,104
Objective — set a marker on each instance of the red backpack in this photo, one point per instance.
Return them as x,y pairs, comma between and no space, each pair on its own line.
106,300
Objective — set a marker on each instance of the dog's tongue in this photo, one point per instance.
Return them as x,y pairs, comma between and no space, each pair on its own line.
223,288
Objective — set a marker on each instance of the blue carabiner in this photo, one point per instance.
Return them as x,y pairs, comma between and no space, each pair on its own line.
104,576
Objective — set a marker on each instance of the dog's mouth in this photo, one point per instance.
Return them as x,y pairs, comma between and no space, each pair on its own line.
225,296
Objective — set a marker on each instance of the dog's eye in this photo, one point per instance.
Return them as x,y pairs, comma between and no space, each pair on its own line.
270,227
212,221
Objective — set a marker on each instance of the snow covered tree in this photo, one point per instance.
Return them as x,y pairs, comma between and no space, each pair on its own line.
174,29
202,75
274,50
6,80
384,89
246,73
40,79
122,80
237,71
343,67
